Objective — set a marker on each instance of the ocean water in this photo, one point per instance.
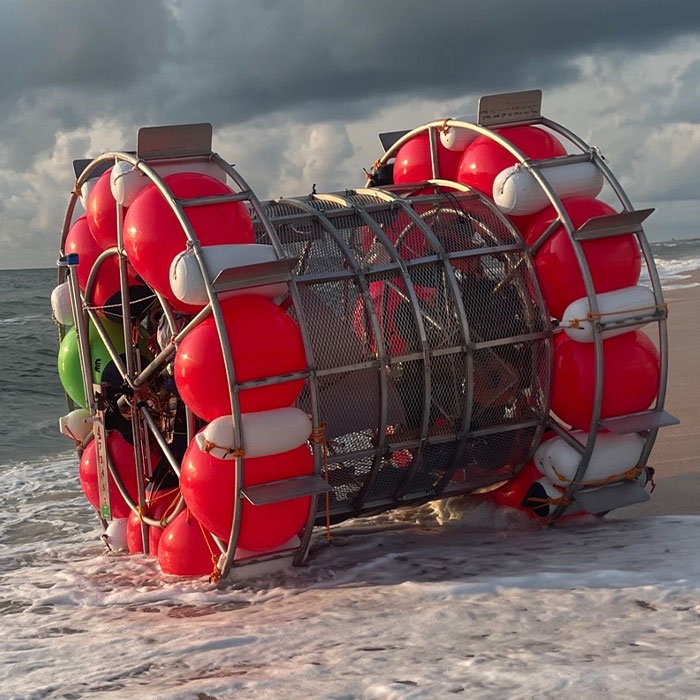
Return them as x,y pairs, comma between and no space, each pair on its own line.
75,623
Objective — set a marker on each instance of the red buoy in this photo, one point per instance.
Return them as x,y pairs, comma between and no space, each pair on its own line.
208,484
186,549
630,377
156,507
106,291
153,235
614,262
483,158
265,342
102,213
513,492
122,455
413,163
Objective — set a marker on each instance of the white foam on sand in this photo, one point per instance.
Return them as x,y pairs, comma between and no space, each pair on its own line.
451,599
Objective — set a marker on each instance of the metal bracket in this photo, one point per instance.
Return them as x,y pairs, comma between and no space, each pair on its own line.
612,225
389,138
602,500
255,275
285,490
637,422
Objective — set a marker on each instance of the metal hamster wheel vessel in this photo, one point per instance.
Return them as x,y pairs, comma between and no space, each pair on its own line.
428,344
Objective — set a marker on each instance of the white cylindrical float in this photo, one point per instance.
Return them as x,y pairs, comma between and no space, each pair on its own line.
457,138
127,182
114,535
186,277
612,455
537,496
263,433
86,189
516,192
76,425
612,306
60,304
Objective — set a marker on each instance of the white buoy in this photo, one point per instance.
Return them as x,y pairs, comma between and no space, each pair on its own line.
263,433
516,192
127,182
115,535
543,488
186,276
85,191
76,425
613,306
457,138
612,455
60,304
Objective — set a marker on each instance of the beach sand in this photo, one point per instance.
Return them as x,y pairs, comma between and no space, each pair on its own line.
676,454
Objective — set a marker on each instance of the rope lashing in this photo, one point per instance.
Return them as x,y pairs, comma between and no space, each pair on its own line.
563,500
215,575
228,451
629,475
590,317
318,437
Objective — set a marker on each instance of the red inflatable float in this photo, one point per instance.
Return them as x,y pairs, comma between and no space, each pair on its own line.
265,342
614,262
102,213
159,503
122,455
186,549
153,235
106,292
483,158
208,485
630,377
413,163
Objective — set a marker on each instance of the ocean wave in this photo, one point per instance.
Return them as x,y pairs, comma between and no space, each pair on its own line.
673,266
21,320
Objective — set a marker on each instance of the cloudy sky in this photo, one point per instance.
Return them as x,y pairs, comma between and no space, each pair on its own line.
298,90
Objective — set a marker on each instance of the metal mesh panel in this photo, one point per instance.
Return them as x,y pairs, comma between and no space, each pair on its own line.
430,342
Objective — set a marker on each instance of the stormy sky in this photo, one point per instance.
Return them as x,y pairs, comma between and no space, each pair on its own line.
298,90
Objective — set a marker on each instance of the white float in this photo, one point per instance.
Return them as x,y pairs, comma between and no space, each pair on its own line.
516,192
186,276
115,535
127,182
613,306
612,455
542,488
263,433
76,425
85,190
457,138
60,304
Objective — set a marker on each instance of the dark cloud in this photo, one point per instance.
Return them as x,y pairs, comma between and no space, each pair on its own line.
286,77
80,43
237,60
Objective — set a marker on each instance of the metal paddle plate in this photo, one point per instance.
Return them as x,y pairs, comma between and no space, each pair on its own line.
609,498
285,490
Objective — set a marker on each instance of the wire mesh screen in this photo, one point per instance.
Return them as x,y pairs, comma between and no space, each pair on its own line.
427,337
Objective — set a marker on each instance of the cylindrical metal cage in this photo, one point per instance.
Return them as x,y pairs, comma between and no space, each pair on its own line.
429,341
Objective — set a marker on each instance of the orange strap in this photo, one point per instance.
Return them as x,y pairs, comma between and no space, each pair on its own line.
209,446
318,437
